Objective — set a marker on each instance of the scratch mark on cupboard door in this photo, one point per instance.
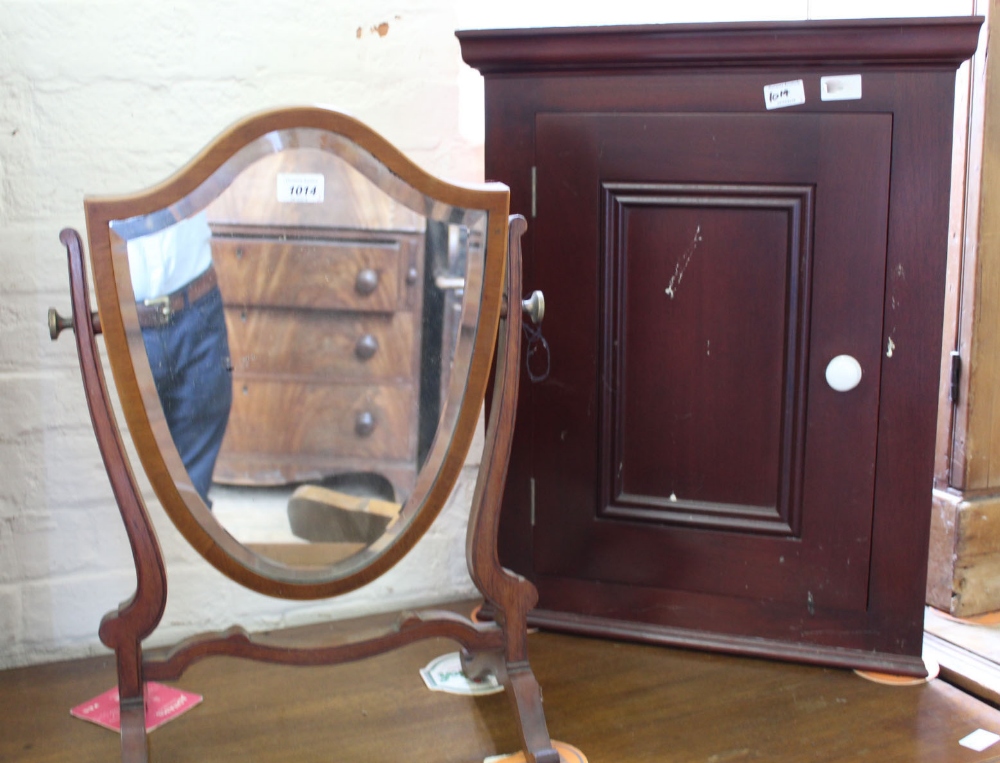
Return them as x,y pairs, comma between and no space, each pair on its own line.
682,264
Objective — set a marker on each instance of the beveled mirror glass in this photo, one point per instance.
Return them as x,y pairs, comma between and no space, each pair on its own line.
299,321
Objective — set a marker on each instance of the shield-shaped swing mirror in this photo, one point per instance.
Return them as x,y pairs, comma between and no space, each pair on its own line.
293,319
301,324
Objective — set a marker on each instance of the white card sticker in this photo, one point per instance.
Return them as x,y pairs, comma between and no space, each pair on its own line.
300,187
845,87
784,94
979,740
445,674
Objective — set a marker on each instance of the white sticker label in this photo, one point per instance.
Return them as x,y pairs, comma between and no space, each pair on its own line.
784,94
301,188
846,87
445,674
979,740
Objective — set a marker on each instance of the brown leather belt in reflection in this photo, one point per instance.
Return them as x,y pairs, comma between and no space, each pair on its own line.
158,310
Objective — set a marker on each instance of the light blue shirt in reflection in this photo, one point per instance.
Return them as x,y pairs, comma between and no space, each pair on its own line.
163,262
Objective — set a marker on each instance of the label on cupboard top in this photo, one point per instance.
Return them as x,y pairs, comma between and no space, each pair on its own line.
843,87
784,94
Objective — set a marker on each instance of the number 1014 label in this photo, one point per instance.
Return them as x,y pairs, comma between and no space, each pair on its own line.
300,187
784,94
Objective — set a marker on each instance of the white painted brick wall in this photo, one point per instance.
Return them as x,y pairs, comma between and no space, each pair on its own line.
111,96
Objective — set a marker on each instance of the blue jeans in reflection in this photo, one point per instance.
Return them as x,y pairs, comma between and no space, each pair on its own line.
189,357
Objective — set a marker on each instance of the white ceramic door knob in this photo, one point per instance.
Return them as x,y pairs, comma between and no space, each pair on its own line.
843,373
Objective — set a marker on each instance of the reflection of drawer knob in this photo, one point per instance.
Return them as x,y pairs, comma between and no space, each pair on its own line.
364,424
412,275
366,347
367,282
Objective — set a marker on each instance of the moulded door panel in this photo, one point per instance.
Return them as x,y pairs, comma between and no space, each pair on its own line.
687,438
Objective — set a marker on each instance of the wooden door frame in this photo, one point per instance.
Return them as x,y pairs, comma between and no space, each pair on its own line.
965,526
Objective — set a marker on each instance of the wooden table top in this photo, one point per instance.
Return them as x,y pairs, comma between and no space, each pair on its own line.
617,702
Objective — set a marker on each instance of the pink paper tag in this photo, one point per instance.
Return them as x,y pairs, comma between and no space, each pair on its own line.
163,703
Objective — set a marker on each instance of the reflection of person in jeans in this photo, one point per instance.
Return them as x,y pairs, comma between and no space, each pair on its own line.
184,330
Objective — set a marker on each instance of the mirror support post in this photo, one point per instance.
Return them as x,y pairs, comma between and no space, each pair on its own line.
511,595
122,629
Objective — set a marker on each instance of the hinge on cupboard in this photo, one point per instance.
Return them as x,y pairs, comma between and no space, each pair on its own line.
534,192
532,501
956,376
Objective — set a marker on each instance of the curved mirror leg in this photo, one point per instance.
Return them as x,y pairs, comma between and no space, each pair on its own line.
122,629
511,595
525,697
135,748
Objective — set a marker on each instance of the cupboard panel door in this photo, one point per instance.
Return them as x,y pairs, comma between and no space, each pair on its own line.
688,439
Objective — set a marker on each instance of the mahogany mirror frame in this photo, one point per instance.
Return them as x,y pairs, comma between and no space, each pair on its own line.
119,324
498,647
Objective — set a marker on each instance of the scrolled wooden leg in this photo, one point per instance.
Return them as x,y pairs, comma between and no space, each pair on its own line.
478,665
525,697
133,725
510,595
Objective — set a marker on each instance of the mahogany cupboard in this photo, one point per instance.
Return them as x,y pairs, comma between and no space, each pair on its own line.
741,233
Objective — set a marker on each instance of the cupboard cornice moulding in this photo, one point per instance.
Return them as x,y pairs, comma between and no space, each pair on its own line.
942,42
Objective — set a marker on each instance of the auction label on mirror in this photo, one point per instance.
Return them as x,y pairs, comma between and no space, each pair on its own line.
300,187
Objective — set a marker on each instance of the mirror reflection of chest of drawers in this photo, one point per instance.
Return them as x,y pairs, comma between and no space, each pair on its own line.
324,327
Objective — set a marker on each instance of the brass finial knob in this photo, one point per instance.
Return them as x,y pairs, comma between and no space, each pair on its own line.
534,306
57,323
